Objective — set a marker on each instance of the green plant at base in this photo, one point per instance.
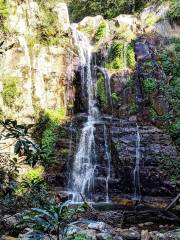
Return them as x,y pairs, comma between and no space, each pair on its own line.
101,90
149,85
10,90
101,31
132,108
115,98
55,218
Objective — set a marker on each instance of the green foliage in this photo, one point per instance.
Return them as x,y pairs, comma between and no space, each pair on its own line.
101,31
4,12
172,166
108,8
152,113
116,59
3,9
115,98
53,218
174,131
101,90
23,146
48,30
10,90
119,54
151,20
81,237
149,85
132,108
51,121
174,12
131,56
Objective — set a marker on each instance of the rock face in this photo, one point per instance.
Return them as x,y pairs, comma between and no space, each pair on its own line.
42,73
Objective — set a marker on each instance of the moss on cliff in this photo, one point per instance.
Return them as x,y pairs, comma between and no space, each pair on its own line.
10,90
100,32
121,56
101,90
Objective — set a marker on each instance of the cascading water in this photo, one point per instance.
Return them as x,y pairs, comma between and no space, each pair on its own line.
137,192
85,159
108,157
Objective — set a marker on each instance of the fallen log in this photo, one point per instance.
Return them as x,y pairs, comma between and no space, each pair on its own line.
172,203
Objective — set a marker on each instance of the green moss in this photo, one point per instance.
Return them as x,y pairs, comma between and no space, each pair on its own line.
10,90
101,90
101,31
131,56
35,174
149,85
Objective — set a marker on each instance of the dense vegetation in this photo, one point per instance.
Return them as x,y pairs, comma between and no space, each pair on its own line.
112,8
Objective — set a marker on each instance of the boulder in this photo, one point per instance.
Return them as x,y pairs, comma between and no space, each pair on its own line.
130,234
101,227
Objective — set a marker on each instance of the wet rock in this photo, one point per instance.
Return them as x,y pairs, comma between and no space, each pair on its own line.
101,227
142,51
90,233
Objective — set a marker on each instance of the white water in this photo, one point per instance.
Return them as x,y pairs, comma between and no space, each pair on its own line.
137,192
85,159
108,157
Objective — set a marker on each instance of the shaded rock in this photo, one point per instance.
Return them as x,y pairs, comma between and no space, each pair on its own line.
103,236
130,234
90,233
101,227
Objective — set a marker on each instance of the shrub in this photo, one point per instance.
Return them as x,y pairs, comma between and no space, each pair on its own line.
53,218
149,85
10,90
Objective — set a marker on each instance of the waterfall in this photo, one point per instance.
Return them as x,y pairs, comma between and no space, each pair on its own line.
107,78
82,180
137,192
108,158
